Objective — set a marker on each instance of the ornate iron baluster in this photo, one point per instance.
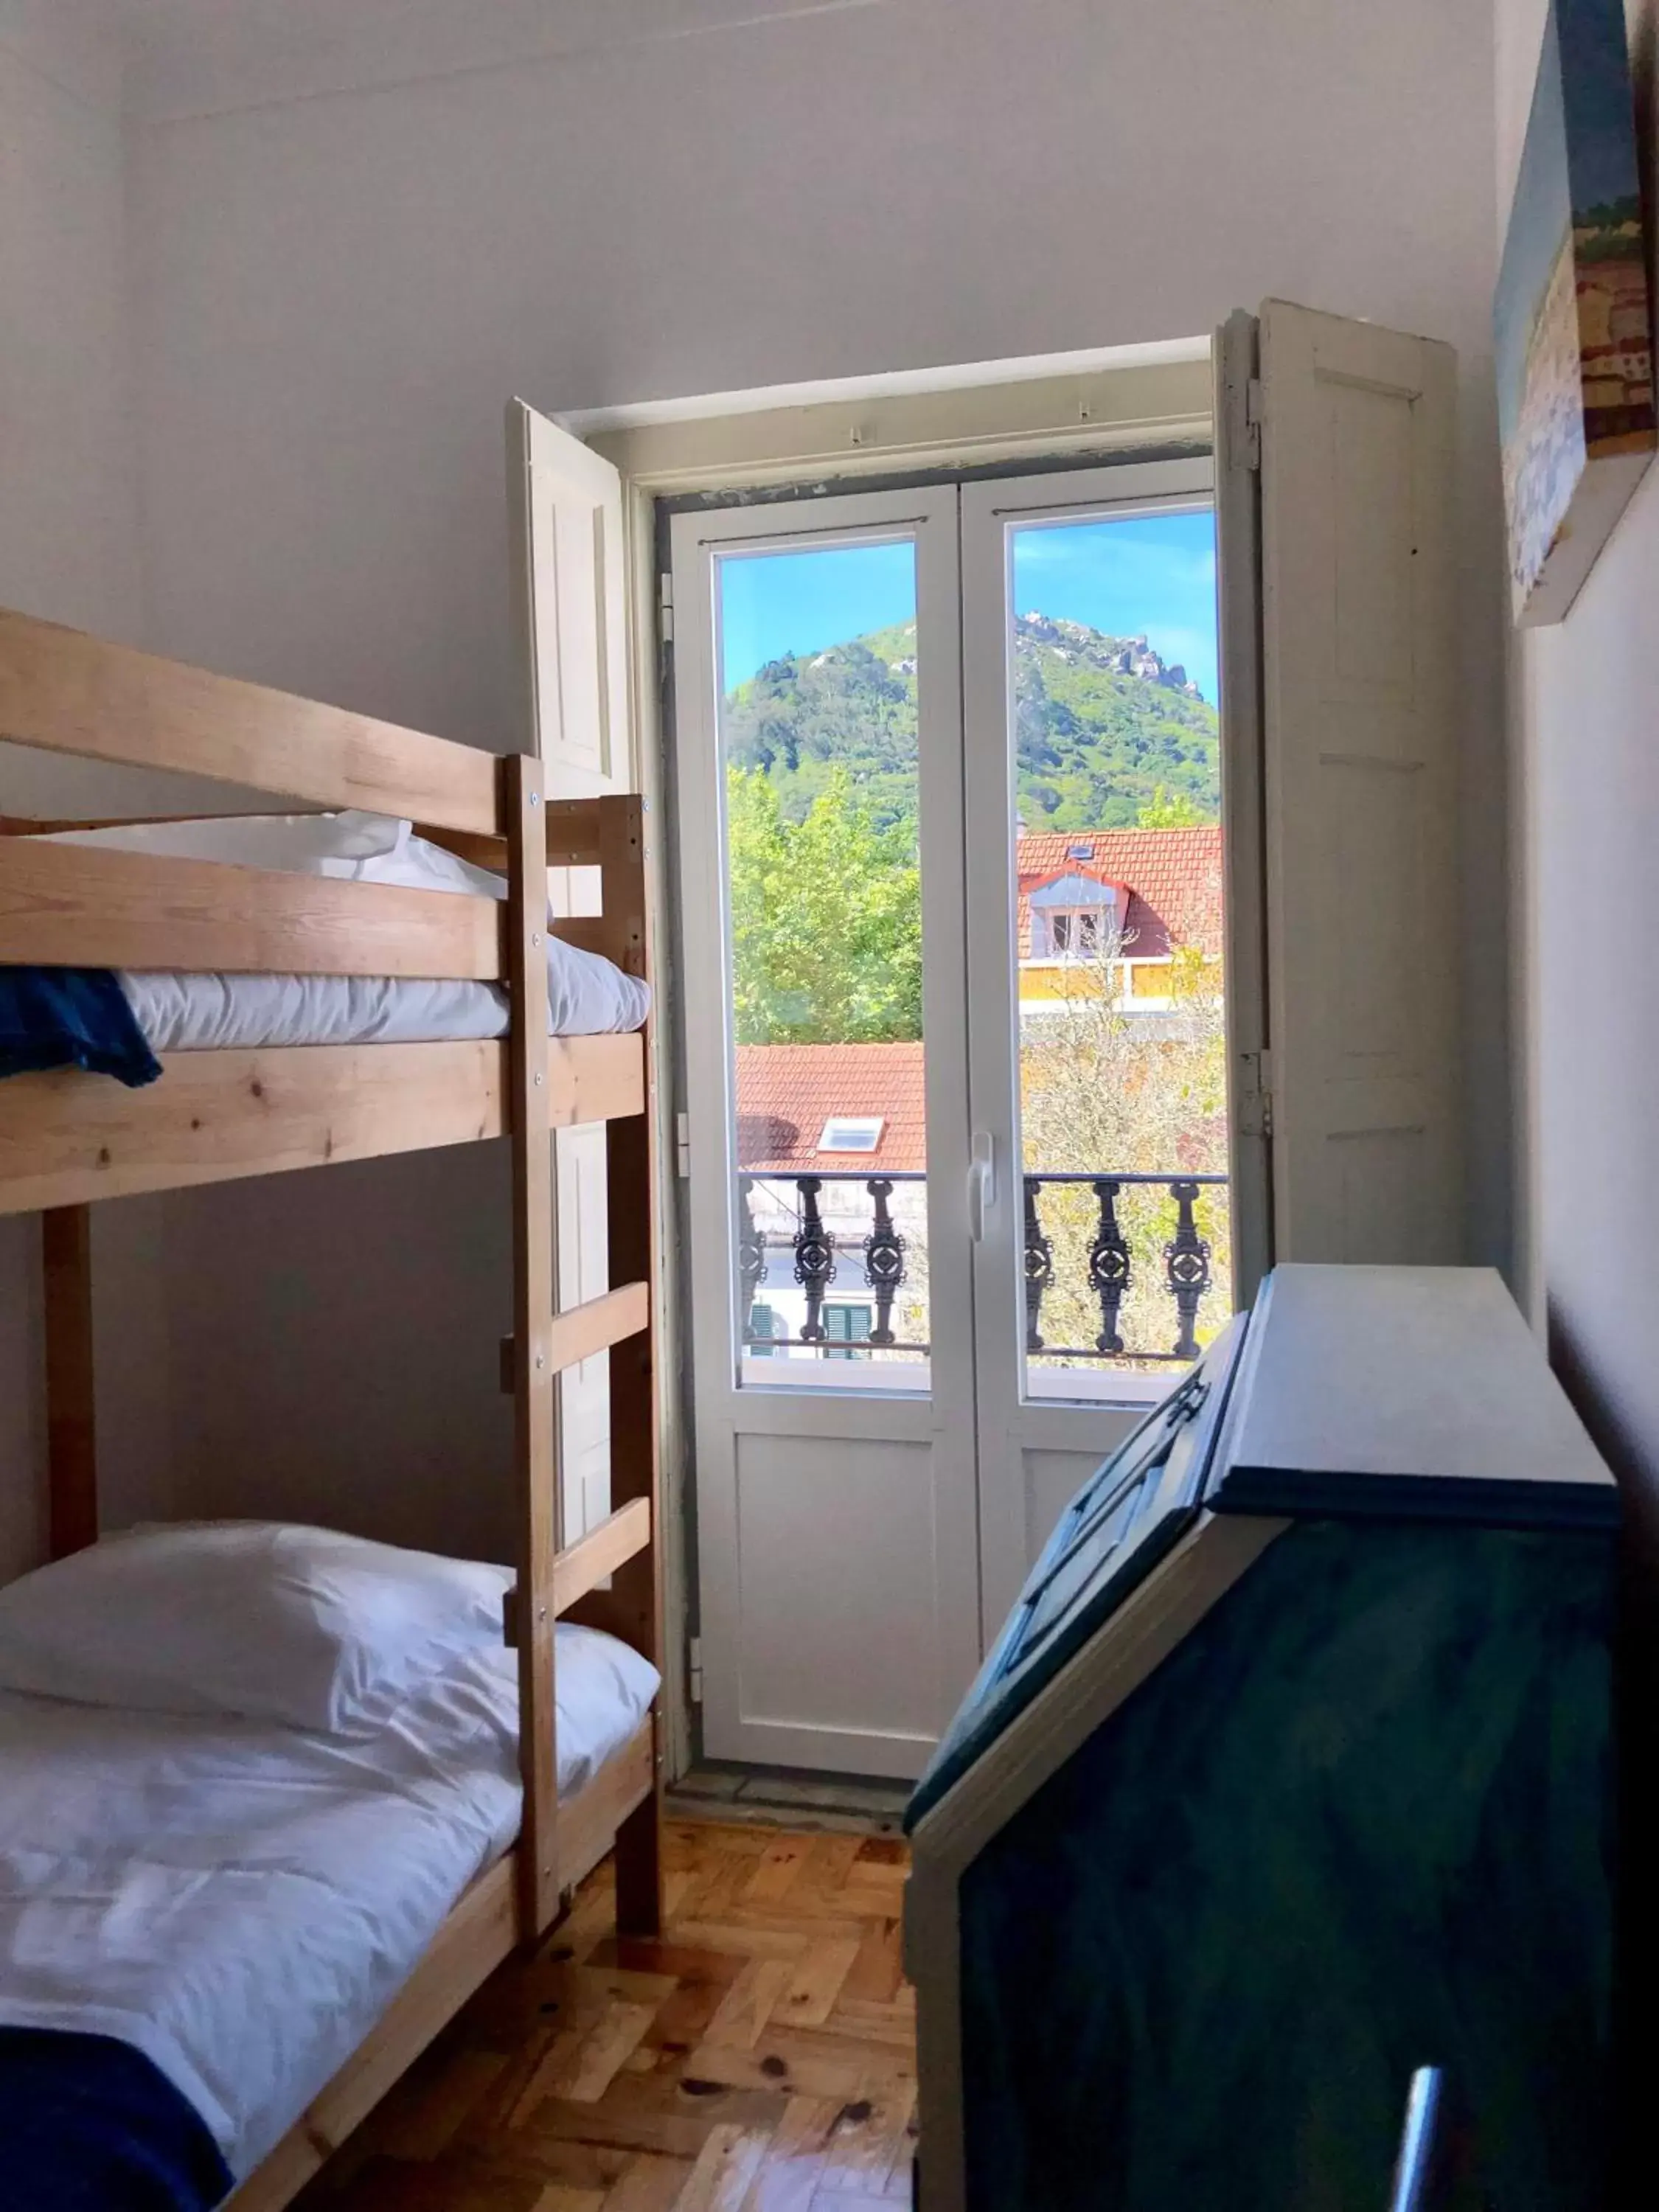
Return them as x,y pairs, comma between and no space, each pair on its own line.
1109,1266
1187,1264
815,1258
1039,1264
751,1253
883,1262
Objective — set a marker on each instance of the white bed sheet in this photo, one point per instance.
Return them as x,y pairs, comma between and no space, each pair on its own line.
241,1901
586,996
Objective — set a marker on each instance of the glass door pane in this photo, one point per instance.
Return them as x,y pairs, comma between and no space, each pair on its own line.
819,685
1115,911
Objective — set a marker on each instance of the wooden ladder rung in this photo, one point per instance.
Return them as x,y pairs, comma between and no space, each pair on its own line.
584,1564
580,1331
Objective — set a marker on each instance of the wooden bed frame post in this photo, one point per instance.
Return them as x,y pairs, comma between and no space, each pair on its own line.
535,1449
635,1609
637,1587
71,1420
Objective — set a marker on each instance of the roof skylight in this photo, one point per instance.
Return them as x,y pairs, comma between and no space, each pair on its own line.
852,1132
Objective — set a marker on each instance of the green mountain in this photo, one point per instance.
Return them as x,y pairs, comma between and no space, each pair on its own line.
1103,724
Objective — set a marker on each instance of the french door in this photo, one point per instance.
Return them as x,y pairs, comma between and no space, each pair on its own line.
837,1513
918,1250
1087,1199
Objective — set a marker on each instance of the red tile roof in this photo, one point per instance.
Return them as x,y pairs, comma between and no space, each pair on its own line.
1173,877
786,1092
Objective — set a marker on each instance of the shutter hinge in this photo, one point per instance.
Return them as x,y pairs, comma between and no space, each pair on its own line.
1255,1102
683,1145
666,607
694,1667
1252,423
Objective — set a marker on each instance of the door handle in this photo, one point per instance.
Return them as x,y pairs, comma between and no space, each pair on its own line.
982,1183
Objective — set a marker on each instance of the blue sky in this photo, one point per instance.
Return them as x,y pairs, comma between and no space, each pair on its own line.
1580,152
1540,216
1600,115
1155,574
775,603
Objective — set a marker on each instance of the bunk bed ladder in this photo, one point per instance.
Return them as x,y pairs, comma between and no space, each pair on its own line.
635,1608
535,1440
546,1339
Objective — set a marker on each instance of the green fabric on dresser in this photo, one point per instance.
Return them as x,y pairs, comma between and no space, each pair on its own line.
1357,1823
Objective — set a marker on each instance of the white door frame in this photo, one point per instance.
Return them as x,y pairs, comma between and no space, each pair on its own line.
940,1419
1010,1430
1134,398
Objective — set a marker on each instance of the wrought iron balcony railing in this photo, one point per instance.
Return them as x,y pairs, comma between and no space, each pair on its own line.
1111,1265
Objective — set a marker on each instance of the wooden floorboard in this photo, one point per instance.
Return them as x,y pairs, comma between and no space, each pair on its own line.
759,2057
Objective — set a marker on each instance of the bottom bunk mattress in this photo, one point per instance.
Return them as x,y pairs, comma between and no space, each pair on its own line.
232,1904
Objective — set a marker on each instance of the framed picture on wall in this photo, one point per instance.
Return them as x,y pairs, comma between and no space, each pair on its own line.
1573,339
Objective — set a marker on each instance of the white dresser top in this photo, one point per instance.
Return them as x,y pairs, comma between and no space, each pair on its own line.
1405,1375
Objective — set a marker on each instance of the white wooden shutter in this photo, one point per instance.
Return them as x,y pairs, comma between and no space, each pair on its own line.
1238,609
1360,788
571,589
569,586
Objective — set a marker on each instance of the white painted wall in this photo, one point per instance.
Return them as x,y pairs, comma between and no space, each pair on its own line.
68,551
336,1342
357,227
68,514
339,290
1585,743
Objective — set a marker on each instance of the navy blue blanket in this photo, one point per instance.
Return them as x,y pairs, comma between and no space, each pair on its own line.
70,1017
89,2124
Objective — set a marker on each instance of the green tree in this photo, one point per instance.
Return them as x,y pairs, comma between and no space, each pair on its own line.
826,917
1172,809
1103,1089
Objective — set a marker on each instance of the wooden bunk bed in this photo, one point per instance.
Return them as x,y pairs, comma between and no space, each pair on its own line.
69,1139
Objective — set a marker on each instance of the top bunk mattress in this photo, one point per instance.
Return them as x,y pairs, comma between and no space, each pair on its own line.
587,995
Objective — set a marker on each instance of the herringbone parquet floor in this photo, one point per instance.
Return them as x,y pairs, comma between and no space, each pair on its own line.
760,2058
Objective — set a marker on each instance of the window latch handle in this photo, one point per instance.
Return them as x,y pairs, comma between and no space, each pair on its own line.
982,1183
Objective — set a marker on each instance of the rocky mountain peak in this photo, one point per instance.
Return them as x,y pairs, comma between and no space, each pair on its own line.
1116,656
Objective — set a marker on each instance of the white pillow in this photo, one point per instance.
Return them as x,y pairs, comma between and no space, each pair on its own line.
370,848
257,1618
